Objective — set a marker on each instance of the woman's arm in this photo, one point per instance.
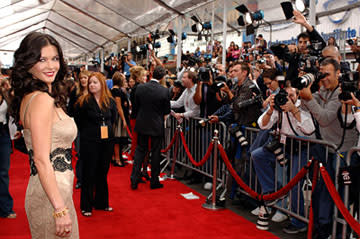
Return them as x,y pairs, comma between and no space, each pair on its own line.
40,121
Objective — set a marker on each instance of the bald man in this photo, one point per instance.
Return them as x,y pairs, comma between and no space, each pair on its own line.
333,52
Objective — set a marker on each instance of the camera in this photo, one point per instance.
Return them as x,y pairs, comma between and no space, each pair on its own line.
237,133
204,74
348,85
255,100
261,61
280,99
276,148
350,42
303,81
219,83
191,61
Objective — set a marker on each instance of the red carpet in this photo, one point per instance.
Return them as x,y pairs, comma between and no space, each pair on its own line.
144,213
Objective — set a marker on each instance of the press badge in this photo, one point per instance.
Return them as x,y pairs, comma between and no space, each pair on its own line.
104,131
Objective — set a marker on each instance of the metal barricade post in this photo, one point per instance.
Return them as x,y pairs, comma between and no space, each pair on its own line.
177,133
213,205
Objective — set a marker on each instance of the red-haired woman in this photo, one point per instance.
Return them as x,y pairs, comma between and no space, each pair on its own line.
95,114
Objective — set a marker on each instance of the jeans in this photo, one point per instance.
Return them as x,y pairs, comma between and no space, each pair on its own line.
295,168
264,164
6,201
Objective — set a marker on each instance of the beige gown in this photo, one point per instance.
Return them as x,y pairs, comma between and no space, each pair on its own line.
38,208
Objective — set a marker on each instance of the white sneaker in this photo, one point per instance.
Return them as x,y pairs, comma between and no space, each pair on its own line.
279,217
208,186
255,212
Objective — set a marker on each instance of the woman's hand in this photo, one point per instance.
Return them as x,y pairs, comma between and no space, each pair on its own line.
63,225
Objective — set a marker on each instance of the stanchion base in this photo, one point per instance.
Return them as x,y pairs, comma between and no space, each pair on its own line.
212,207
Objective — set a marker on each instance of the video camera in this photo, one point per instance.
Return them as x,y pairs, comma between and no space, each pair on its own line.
191,61
204,74
348,85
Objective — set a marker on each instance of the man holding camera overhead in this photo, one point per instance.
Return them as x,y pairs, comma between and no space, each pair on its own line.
128,63
207,92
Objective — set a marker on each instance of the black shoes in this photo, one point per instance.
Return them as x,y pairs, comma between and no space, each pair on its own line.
134,186
156,185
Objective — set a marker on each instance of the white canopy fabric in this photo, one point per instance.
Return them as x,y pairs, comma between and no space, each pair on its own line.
82,26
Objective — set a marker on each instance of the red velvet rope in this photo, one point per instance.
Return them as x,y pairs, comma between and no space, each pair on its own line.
128,131
340,205
204,159
171,143
311,214
281,192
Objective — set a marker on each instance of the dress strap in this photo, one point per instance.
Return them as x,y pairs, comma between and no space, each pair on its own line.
28,103
57,113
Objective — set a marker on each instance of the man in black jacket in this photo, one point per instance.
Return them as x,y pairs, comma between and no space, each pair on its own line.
152,103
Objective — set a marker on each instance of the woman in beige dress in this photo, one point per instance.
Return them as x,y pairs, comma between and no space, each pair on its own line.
38,81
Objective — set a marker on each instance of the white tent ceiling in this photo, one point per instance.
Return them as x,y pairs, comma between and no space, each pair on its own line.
82,26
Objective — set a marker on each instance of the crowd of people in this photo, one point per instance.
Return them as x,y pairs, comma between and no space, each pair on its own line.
292,89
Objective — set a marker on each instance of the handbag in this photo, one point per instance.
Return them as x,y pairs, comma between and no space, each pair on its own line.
20,145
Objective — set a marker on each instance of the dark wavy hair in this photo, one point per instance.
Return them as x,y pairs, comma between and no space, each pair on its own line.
23,83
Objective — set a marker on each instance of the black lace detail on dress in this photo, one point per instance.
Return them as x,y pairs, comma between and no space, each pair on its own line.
59,157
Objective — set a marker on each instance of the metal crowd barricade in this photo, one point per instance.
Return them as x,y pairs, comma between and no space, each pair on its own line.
296,145
346,199
197,138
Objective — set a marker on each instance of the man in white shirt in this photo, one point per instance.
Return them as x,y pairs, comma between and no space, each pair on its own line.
186,99
294,121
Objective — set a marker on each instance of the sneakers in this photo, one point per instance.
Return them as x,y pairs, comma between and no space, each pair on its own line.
279,217
291,229
208,186
255,212
263,219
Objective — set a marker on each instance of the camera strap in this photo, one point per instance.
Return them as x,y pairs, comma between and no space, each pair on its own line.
317,128
343,125
292,128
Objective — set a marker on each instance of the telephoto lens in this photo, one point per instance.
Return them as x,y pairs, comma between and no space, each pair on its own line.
236,132
276,148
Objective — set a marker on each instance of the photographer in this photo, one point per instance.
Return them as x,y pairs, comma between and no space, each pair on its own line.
128,63
271,83
333,52
207,92
242,115
294,121
265,63
301,57
186,99
111,69
324,106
